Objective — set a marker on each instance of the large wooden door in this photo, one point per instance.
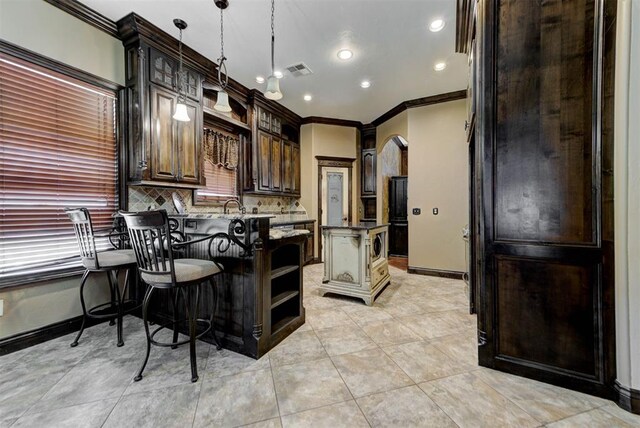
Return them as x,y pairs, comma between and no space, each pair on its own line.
547,285
399,226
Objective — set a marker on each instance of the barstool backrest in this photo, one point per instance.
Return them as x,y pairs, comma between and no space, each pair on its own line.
151,242
83,228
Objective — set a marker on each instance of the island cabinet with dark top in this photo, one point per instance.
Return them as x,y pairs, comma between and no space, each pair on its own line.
258,296
161,150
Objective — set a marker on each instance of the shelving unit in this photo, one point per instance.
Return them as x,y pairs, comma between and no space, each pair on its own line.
284,297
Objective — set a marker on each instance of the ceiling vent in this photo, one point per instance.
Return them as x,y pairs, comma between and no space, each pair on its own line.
299,70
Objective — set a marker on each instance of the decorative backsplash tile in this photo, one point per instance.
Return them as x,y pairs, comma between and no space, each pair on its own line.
143,198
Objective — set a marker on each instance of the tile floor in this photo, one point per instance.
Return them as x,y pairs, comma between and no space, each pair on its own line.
408,361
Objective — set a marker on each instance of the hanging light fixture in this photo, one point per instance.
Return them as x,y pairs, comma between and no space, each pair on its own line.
181,108
273,84
222,104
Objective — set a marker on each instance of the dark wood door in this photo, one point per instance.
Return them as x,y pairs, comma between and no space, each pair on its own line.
287,166
399,227
547,292
189,143
264,161
295,160
368,172
276,163
163,135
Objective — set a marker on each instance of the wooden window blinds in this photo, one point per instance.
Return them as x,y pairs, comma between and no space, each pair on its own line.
57,149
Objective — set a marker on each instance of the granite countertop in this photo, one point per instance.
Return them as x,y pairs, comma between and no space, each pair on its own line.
355,227
286,223
225,216
286,233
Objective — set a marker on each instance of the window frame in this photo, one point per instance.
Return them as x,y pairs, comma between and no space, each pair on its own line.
121,186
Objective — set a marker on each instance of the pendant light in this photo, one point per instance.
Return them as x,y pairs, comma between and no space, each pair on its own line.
181,108
222,104
273,83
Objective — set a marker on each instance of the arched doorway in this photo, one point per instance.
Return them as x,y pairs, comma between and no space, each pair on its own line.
392,172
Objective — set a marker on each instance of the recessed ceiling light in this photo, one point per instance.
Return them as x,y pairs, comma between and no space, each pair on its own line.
345,54
436,25
278,74
439,66
365,84
259,79
308,97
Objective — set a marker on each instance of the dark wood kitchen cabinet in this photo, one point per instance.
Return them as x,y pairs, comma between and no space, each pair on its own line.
161,150
542,187
274,168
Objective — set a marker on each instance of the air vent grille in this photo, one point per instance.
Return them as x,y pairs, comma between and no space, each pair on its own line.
299,70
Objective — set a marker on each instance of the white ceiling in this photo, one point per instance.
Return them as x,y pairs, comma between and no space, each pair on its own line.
392,45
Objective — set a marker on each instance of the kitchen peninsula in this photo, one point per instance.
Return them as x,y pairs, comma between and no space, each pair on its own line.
259,294
355,261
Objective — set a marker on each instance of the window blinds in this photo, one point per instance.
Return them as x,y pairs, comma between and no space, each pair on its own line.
221,151
57,149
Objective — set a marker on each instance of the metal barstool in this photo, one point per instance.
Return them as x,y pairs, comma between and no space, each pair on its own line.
110,262
154,243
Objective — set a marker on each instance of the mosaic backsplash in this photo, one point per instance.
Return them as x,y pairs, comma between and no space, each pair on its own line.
143,198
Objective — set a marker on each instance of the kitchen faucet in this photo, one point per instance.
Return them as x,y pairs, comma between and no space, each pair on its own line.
240,207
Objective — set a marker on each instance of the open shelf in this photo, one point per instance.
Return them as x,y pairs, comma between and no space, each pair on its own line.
283,297
282,324
283,270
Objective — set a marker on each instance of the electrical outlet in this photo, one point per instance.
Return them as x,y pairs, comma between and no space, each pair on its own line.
1,307
416,211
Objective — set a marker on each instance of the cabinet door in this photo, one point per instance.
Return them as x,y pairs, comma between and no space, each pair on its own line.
276,163
308,252
276,125
369,172
163,137
287,166
264,161
162,69
189,143
295,163
193,85
264,119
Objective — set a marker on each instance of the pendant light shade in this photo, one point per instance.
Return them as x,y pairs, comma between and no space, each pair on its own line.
273,89
181,107
181,113
273,83
222,104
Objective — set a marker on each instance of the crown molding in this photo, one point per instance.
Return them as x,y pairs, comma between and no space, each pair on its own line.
332,121
420,102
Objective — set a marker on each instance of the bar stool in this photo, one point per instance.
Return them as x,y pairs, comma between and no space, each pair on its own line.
110,262
154,244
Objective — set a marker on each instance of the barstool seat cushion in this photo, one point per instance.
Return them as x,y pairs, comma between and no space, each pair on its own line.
110,259
187,270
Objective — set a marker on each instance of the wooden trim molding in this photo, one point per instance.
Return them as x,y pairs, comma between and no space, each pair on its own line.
39,335
43,61
627,398
420,102
435,272
335,162
332,121
87,15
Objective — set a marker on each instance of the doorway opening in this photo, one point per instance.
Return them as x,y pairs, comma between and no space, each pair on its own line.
335,177
393,172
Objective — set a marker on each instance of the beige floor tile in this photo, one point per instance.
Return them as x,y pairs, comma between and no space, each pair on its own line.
462,347
345,414
401,308
235,400
225,363
363,315
470,403
298,347
546,403
619,413
344,340
368,372
390,332
308,385
405,407
423,361
269,423
597,418
82,415
438,324
327,318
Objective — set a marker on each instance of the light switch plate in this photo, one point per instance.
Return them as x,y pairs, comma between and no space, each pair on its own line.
1,307
435,211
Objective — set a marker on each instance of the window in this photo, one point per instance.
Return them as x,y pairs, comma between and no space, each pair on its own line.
221,154
57,149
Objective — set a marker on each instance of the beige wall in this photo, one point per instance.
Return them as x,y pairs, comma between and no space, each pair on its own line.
40,27
627,197
438,178
45,29
326,140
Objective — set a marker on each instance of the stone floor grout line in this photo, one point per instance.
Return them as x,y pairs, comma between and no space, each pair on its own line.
275,390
